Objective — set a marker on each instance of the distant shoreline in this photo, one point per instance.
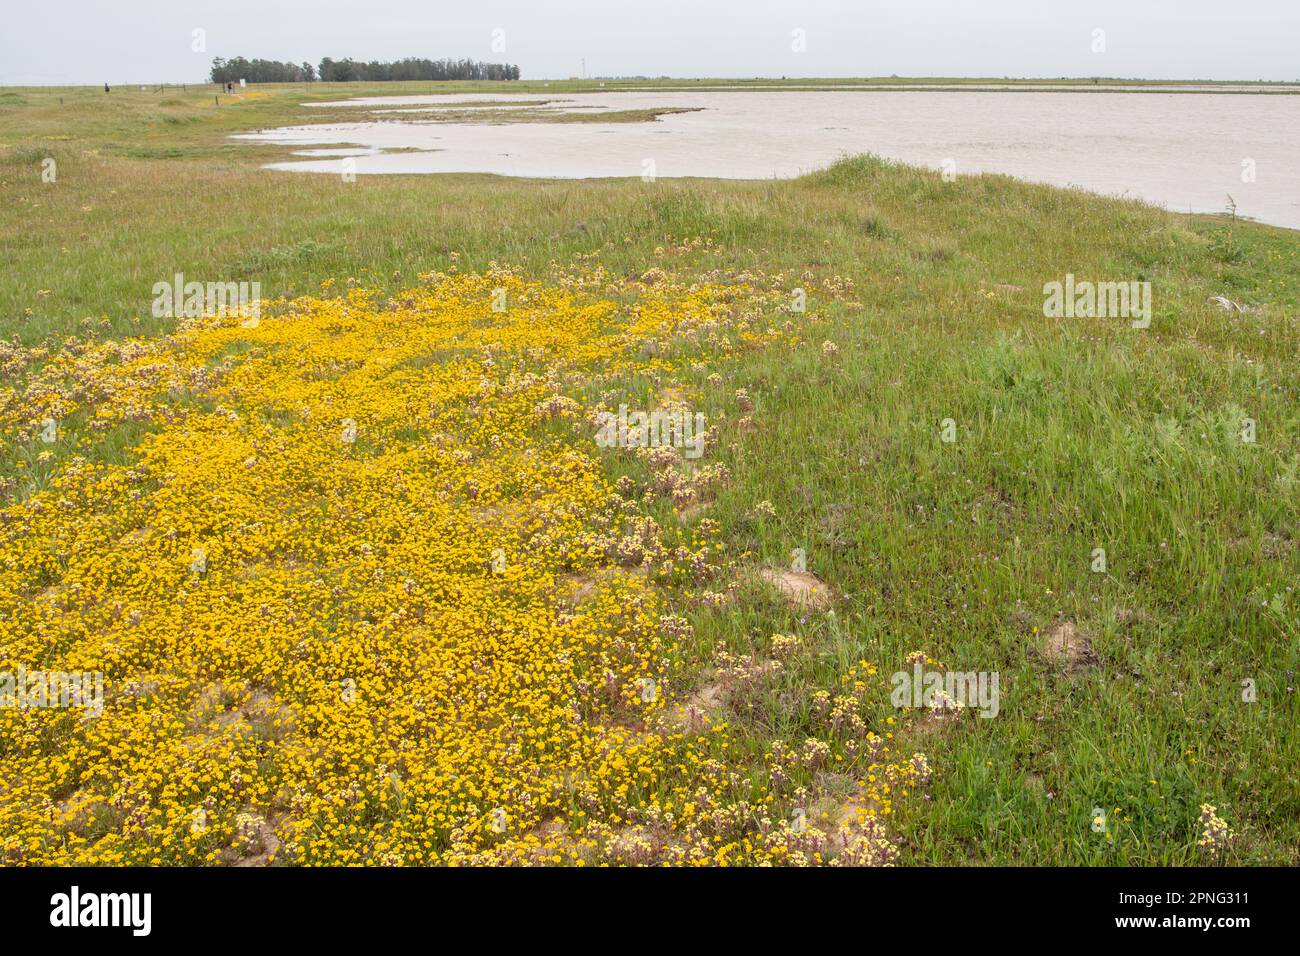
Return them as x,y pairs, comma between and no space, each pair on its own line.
956,84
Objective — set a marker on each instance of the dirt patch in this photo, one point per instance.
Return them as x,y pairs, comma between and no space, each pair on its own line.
931,723
502,514
551,838
1067,646
221,708
835,810
698,712
641,846
1126,617
694,510
580,588
800,587
255,842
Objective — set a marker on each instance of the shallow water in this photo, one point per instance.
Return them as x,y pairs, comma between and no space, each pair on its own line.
1182,150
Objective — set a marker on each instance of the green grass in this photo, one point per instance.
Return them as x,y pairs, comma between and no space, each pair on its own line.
1071,434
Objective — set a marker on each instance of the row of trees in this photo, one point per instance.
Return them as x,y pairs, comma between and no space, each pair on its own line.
261,71
346,70
414,68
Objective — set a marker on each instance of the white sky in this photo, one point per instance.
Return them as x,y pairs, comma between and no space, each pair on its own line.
137,41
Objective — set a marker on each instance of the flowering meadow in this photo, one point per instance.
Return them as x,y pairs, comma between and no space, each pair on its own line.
376,574
365,592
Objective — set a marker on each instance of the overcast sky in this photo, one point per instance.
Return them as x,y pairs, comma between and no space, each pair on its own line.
136,41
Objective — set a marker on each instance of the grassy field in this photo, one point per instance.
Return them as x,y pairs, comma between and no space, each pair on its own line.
1121,689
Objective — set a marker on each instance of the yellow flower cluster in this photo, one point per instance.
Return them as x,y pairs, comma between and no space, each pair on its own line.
1215,832
362,593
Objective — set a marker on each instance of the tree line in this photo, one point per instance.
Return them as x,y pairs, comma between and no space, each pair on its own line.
261,71
347,69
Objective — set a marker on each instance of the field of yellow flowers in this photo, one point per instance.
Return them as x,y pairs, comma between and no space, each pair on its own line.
365,585
365,593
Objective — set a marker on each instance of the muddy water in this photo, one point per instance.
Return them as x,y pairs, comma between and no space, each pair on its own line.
1185,151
